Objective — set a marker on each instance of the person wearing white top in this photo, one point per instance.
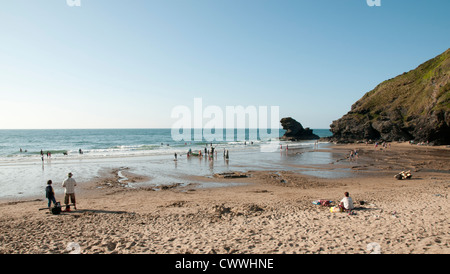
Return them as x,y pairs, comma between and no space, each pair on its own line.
346,203
69,192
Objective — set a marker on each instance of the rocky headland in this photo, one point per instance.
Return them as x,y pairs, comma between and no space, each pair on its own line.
414,106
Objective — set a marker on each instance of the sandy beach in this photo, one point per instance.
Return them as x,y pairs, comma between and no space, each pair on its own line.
266,212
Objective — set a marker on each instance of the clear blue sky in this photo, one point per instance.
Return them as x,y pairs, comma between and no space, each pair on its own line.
127,64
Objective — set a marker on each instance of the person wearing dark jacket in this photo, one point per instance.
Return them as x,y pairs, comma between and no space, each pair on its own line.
50,194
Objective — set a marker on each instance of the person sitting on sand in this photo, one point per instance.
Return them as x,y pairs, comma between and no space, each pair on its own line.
50,194
346,203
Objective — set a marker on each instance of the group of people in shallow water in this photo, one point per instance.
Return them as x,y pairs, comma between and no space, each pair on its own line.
49,153
207,152
69,185
211,152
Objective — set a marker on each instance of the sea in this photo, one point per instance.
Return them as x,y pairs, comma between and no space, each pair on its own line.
28,158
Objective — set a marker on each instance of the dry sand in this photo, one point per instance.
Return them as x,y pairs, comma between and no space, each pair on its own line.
270,212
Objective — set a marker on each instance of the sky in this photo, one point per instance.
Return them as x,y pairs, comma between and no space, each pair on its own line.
128,64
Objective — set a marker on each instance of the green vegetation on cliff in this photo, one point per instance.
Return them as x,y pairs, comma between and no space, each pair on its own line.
411,106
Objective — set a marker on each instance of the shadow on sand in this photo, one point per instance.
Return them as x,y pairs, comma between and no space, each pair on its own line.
78,212
359,208
97,211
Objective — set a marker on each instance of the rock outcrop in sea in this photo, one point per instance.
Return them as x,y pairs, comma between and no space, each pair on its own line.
295,131
414,106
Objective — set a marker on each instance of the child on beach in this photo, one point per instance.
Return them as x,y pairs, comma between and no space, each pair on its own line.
50,194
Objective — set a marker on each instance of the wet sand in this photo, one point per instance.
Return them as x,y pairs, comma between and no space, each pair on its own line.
262,212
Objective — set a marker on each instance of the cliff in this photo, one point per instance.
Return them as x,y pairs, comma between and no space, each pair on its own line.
412,106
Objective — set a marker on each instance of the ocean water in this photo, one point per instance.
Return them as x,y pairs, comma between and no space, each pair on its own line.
108,142
150,152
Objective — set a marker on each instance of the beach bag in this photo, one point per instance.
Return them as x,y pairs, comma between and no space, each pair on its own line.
335,209
56,209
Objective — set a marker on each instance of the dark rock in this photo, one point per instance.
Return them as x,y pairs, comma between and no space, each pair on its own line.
295,131
414,106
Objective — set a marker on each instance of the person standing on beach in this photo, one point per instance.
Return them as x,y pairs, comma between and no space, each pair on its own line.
50,194
69,185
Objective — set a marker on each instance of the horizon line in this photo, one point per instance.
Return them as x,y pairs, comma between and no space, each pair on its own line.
132,128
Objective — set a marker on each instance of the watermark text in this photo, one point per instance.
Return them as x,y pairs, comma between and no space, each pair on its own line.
73,3
211,123
374,3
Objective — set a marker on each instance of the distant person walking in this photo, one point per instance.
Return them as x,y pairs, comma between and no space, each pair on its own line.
50,194
69,184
